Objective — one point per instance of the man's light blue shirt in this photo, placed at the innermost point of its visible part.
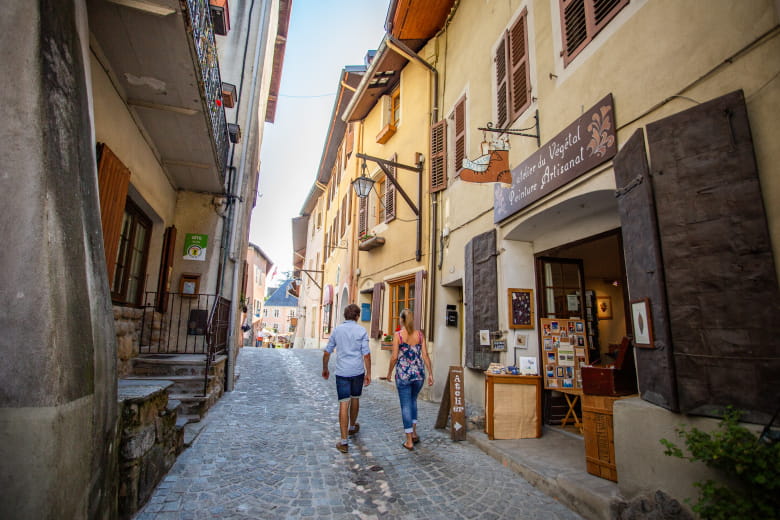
(351, 342)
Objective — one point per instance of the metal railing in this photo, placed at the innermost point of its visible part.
(181, 326)
(209, 80)
(217, 334)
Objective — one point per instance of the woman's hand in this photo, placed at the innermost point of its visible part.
(430, 379)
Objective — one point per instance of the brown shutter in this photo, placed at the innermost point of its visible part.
(644, 269)
(343, 218)
(113, 182)
(581, 21)
(502, 85)
(480, 288)
(460, 134)
(376, 310)
(419, 297)
(721, 281)
(349, 139)
(438, 156)
(349, 205)
(520, 74)
(362, 215)
(390, 193)
(166, 269)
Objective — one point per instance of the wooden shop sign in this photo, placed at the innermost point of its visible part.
(586, 143)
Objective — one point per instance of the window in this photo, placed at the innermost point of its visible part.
(395, 107)
(265, 313)
(276, 313)
(257, 275)
(130, 266)
(362, 216)
(582, 20)
(291, 313)
(513, 80)
(401, 297)
(257, 308)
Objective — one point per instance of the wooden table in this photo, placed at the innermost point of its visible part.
(572, 395)
(513, 406)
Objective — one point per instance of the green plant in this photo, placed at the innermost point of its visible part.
(750, 465)
(388, 338)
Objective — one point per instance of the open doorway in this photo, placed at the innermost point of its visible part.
(584, 280)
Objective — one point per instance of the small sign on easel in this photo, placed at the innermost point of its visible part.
(453, 405)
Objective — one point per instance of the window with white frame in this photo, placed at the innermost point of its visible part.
(512, 72)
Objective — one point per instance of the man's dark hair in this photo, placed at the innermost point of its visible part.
(351, 312)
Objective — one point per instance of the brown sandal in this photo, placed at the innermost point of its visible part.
(407, 447)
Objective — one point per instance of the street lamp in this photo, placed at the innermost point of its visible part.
(363, 184)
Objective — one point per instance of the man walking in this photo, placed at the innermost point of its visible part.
(353, 370)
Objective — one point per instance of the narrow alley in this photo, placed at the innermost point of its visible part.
(266, 450)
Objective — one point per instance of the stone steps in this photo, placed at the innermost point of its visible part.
(181, 384)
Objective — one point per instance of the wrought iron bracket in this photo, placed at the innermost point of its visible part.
(517, 131)
(296, 274)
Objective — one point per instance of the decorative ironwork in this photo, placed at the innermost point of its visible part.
(210, 80)
(517, 131)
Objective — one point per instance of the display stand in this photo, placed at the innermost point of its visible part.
(513, 406)
(572, 396)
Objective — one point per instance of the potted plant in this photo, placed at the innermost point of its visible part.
(387, 341)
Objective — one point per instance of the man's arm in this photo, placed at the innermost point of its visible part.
(325, 359)
(367, 363)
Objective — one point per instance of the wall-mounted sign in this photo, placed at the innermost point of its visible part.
(583, 145)
(195, 247)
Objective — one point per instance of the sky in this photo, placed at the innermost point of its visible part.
(324, 36)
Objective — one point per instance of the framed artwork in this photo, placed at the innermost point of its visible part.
(521, 341)
(521, 308)
(642, 321)
(604, 307)
(189, 284)
(498, 345)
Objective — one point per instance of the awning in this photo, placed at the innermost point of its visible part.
(327, 297)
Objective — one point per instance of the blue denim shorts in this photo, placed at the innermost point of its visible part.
(349, 387)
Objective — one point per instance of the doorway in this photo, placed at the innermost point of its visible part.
(584, 280)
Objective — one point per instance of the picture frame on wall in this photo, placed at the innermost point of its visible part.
(604, 307)
(521, 308)
(642, 321)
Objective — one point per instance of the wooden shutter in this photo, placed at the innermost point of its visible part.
(166, 269)
(502, 85)
(644, 269)
(520, 73)
(390, 193)
(438, 155)
(581, 21)
(419, 299)
(349, 206)
(362, 215)
(376, 310)
(721, 281)
(113, 182)
(480, 298)
(343, 217)
(460, 134)
(349, 139)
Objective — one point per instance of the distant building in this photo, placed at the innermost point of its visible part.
(280, 312)
(254, 294)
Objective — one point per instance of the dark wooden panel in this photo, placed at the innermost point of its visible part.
(480, 298)
(644, 272)
(723, 293)
(113, 183)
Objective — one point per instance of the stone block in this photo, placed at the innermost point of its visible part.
(137, 443)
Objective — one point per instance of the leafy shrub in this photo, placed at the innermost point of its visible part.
(749, 464)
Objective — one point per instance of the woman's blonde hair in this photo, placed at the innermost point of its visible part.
(407, 320)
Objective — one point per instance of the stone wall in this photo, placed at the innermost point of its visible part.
(149, 441)
(127, 321)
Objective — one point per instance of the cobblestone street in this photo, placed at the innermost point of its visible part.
(267, 450)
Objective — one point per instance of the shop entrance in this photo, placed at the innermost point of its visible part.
(583, 280)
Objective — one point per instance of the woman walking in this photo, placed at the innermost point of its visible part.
(410, 359)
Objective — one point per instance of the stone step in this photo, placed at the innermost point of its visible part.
(164, 365)
(181, 384)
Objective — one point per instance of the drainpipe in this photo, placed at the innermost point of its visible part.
(257, 74)
(402, 49)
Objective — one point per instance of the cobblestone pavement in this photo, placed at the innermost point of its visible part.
(267, 451)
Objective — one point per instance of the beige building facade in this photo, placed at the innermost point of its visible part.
(586, 163)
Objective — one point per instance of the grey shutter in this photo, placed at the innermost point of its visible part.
(721, 282)
(419, 297)
(376, 310)
(644, 270)
(481, 298)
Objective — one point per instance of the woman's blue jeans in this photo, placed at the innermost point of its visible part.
(407, 394)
